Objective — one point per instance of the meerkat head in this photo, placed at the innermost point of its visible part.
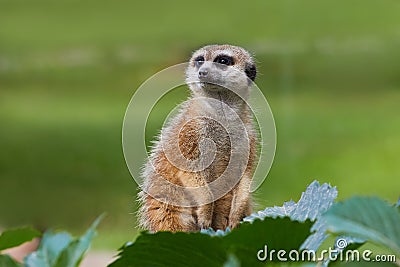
(218, 68)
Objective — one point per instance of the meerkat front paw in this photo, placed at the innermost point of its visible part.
(205, 223)
(233, 224)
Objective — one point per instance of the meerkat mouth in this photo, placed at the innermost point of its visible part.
(211, 86)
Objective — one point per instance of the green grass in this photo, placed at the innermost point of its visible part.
(330, 71)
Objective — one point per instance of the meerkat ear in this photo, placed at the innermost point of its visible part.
(251, 71)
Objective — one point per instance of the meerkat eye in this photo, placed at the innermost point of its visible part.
(198, 61)
(225, 60)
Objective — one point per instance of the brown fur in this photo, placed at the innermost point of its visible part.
(156, 215)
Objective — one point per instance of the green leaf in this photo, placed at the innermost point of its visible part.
(313, 202)
(278, 233)
(172, 249)
(60, 249)
(232, 261)
(73, 254)
(15, 237)
(369, 218)
(51, 246)
(343, 244)
(7, 261)
(197, 249)
(212, 232)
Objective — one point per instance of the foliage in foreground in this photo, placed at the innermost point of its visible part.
(354, 222)
(298, 227)
(56, 249)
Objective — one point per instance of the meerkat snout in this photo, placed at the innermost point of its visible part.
(203, 73)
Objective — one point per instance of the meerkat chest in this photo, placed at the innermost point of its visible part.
(208, 136)
(214, 131)
(202, 135)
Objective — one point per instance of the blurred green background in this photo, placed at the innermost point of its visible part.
(329, 69)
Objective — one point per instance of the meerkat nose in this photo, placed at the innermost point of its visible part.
(203, 73)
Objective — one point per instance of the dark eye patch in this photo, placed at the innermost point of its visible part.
(251, 71)
(198, 61)
(225, 60)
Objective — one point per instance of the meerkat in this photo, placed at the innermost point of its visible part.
(219, 78)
